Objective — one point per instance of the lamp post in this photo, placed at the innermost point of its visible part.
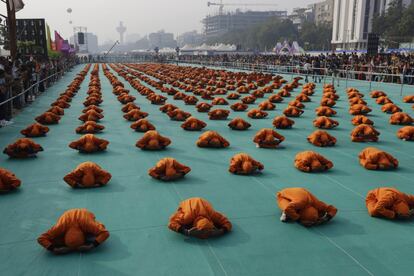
(11, 22)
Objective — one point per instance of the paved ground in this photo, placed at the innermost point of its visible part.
(136, 208)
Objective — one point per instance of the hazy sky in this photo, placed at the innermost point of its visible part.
(139, 16)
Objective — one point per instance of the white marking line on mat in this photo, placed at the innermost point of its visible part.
(345, 252)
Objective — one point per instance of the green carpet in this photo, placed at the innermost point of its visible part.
(136, 208)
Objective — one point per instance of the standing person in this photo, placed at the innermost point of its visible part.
(5, 113)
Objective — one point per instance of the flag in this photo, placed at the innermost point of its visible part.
(16, 5)
(49, 40)
(58, 41)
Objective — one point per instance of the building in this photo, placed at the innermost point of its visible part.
(190, 38)
(132, 38)
(90, 43)
(352, 22)
(301, 15)
(31, 37)
(161, 39)
(323, 12)
(222, 23)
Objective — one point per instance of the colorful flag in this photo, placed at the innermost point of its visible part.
(49, 39)
(58, 41)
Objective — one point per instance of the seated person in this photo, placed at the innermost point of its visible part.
(233, 96)
(243, 164)
(361, 119)
(158, 99)
(168, 169)
(359, 109)
(196, 217)
(239, 107)
(87, 175)
(135, 115)
(212, 139)
(75, 230)
(257, 114)
(8, 181)
(57, 110)
(356, 100)
(275, 98)
(48, 118)
(292, 111)
(92, 107)
(376, 94)
(364, 133)
(239, 124)
(383, 100)
(125, 98)
(219, 101)
(401, 118)
(390, 108)
(303, 98)
(310, 161)
(250, 99)
(35, 130)
(409, 99)
(389, 203)
(167, 107)
(142, 125)
(61, 103)
(91, 115)
(327, 102)
(406, 133)
(298, 204)
(178, 115)
(129, 107)
(325, 122)
(218, 114)
(203, 107)
(23, 148)
(152, 140)
(325, 111)
(267, 105)
(321, 138)
(92, 101)
(297, 104)
(283, 122)
(268, 138)
(374, 159)
(89, 127)
(89, 143)
(193, 124)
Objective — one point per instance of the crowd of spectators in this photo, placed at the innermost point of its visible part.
(393, 67)
(24, 73)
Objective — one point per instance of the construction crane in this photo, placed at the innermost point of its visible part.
(221, 5)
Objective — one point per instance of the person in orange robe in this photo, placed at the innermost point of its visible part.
(310, 161)
(89, 143)
(239, 107)
(325, 122)
(203, 107)
(361, 119)
(48, 118)
(57, 110)
(390, 108)
(390, 203)
(90, 127)
(364, 133)
(193, 124)
(75, 230)
(325, 111)
(142, 125)
(401, 118)
(212, 139)
(409, 99)
(406, 133)
(152, 140)
(91, 115)
(243, 164)
(321, 138)
(257, 114)
(87, 175)
(292, 111)
(135, 115)
(283, 122)
(35, 130)
(92, 107)
(267, 105)
(268, 138)
(23, 148)
(239, 124)
(8, 181)
(196, 217)
(218, 114)
(374, 159)
(359, 109)
(178, 115)
(298, 204)
(168, 169)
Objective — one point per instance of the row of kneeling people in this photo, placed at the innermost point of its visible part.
(78, 230)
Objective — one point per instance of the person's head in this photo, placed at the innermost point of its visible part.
(74, 238)
(203, 223)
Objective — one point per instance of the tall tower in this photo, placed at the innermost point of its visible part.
(121, 29)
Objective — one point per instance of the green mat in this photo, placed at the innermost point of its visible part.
(136, 208)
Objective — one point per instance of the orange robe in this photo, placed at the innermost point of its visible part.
(292, 111)
(23, 148)
(359, 109)
(193, 209)
(401, 118)
(78, 218)
(257, 114)
(87, 175)
(89, 143)
(35, 130)
(325, 111)
(193, 124)
(364, 133)
(310, 161)
(268, 138)
(135, 115)
(301, 205)
(389, 203)
(8, 181)
(321, 138)
(90, 127)
(152, 140)
(212, 139)
(283, 122)
(375, 159)
(178, 115)
(91, 115)
(239, 124)
(203, 107)
(218, 114)
(239, 107)
(243, 164)
(48, 118)
(168, 169)
(142, 126)
(361, 119)
(325, 122)
(406, 133)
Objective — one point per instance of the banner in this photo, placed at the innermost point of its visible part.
(49, 39)
(58, 41)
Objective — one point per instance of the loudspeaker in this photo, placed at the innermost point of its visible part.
(81, 38)
(373, 43)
